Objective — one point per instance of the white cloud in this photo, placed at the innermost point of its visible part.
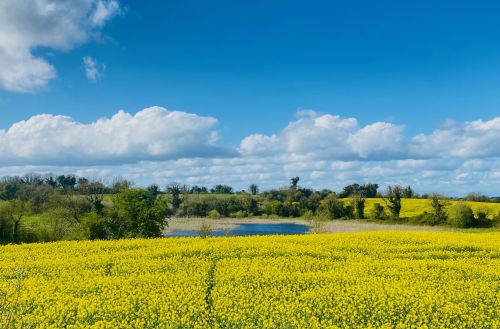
(472, 139)
(327, 136)
(93, 69)
(151, 134)
(29, 25)
(380, 139)
(325, 151)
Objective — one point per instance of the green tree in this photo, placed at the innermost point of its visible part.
(175, 190)
(378, 212)
(253, 189)
(393, 200)
(11, 214)
(358, 204)
(460, 215)
(143, 214)
(439, 208)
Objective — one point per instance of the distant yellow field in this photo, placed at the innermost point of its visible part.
(345, 280)
(414, 207)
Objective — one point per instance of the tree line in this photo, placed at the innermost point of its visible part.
(50, 208)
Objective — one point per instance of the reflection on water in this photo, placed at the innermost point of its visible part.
(250, 229)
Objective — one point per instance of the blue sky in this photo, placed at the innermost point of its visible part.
(252, 66)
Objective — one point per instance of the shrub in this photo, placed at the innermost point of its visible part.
(427, 219)
(205, 229)
(359, 207)
(335, 208)
(378, 212)
(213, 214)
(460, 215)
(482, 217)
(239, 214)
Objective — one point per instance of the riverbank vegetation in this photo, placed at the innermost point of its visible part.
(37, 208)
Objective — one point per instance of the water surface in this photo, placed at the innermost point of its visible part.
(246, 229)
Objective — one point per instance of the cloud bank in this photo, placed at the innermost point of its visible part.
(152, 134)
(29, 25)
(325, 150)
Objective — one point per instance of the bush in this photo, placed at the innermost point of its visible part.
(213, 214)
(239, 214)
(482, 217)
(359, 206)
(426, 219)
(205, 229)
(460, 215)
(335, 208)
(54, 225)
(378, 212)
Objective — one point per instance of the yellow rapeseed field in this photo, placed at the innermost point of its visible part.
(415, 207)
(344, 280)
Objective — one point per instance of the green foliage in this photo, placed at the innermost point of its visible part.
(142, 214)
(366, 190)
(460, 215)
(221, 189)
(253, 189)
(393, 196)
(54, 225)
(213, 214)
(11, 214)
(378, 212)
(335, 208)
(359, 207)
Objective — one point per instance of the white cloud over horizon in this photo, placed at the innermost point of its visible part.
(154, 133)
(28, 25)
(156, 145)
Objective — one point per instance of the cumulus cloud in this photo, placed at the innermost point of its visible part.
(33, 24)
(329, 136)
(326, 151)
(151, 134)
(93, 69)
(472, 139)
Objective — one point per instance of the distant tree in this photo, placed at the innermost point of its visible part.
(195, 189)
(221, 189)
(142, 213)
(51, 181)
(119, 184)
(294, 182)
(439, 208)
(378, 212)
(11, 214)
(175, 190)
(335, 208)
(358, 204)
(253, 189)
(477, 197)
(154, 190)
(408, 192)
(9, 189)
(94, 192)
(393, 200)
(460, 215)
(66, 182)
(366, 190)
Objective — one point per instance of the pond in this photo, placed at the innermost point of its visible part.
(246, 229)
